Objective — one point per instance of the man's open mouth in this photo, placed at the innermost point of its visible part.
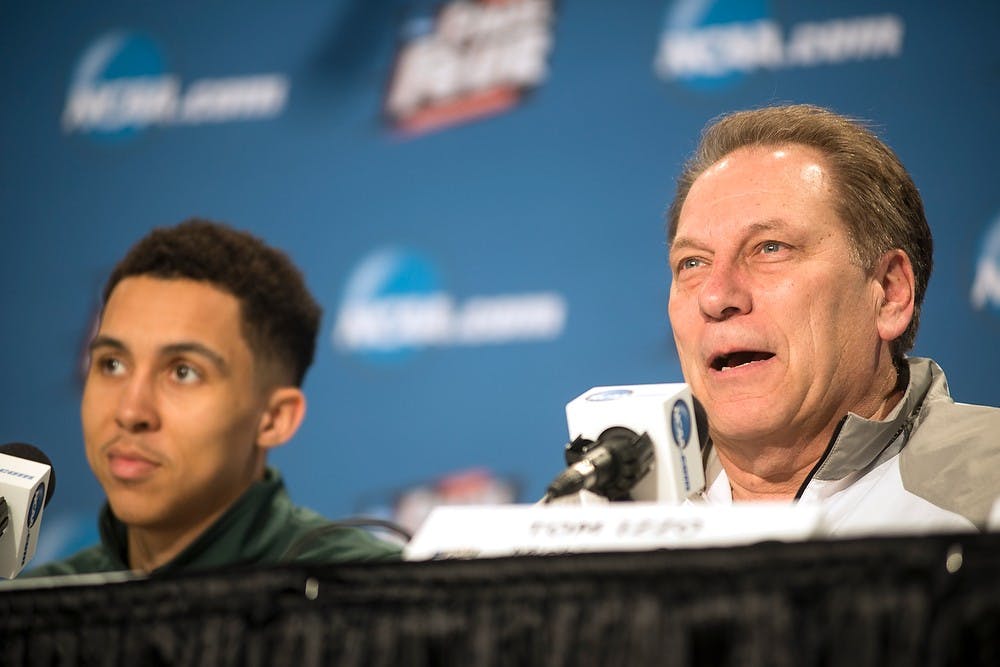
(725, 362)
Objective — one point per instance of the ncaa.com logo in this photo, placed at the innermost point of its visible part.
(985, 293)
(35, 507)
(711, 44)
(122, 84)
(395, 303)
(680, 423)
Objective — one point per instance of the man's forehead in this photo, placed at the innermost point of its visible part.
(171, 311)
(168, 296)
(756, 183)
(757, 162)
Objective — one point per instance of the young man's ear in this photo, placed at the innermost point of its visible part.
(285, 411)
(895, 276)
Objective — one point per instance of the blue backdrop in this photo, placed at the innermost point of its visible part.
(475, 191)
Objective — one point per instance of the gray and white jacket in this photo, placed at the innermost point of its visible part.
(932, 465)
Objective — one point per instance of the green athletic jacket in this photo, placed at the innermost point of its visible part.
(263, 527)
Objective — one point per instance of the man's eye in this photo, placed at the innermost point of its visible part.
(689, 263)
(185, 374)
(770, 247)
(110, 365)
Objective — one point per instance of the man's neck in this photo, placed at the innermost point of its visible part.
(151, 548)
(776, 471)
(774, 474)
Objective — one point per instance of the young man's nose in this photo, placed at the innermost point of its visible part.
(136, 409)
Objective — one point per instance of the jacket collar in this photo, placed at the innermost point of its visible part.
(860, 444)
(237, 523)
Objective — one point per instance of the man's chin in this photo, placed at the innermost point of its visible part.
(745, 423)
(135, 507)
(739, 408)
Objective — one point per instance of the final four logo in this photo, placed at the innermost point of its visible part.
(471, 59)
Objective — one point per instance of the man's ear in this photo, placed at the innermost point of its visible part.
(894, 274)
(286, 408)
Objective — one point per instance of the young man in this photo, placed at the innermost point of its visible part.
(800, 257)
(195, 373)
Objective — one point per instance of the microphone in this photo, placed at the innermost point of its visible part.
(27, 483)
(609, 466)
(638, 442)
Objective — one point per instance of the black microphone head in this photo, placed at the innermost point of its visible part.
(700, 421)
(28, 452)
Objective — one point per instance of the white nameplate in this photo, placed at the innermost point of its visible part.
(510, 530)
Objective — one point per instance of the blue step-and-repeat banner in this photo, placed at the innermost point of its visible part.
(476, 193)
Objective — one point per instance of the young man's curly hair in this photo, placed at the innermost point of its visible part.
(280, 318)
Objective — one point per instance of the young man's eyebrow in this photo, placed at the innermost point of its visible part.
(105, 341)
(192, 347)
(183, 347)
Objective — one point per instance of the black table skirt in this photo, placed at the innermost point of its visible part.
(886, 601)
